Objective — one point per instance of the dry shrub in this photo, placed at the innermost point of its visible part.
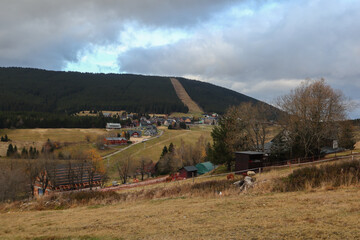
(326, 176)
(85, 198)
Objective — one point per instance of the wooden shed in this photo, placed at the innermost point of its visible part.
(248, 160)
(188, 172)
(65, 177)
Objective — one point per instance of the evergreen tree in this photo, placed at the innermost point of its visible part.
(24, 153)
(10, 150)
(164, 152)
(171, 148)
(220, 153)
(347, 136)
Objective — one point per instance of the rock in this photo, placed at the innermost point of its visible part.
(248, 182)
(250, 173)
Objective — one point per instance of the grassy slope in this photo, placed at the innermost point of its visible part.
(37, 137)
(184, 97)
(153, 148)
(311, 214)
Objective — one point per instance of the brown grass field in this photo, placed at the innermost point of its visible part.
(258, 214)
(37, 137)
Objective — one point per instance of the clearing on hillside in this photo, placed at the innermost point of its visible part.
(184, 97)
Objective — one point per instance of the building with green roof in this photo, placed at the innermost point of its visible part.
(204, 167)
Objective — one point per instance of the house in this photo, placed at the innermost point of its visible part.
(150, 130)
(248, 160)
(204, 167)
(115, 141)
(188, 121)
(135, 133)
(66, 177)
(188, 172)
(113, 126)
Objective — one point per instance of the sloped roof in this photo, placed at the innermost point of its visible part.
(115, 138)
(250, 152)
(64, 174)
(204, 167)
(190, 168)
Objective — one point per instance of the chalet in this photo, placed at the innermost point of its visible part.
(248, 160)
(135, 133)
(188, 172)
(204, 167)
(66, 177)
(150, 130)
(113, 126)
(115, 141)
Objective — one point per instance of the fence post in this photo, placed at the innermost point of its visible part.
(193, 176)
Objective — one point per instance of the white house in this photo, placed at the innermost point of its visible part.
(113, 126)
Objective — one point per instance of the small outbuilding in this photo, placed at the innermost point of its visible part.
(135, 133)
(115, 141)
(113, 126)
(204, 167)
(188, 172)
(248, 160)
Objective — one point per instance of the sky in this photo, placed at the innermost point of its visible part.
(257, 47)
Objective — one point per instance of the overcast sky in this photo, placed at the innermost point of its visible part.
(259, 48)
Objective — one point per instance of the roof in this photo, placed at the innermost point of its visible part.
(204, 167)
(66, 174)
(115, 138)
(190, 168)
(251, 153)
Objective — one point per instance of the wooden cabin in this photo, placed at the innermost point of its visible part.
(65, 177)
(248, 160)
(188, 172)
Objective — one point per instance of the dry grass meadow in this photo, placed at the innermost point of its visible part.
(322, 213)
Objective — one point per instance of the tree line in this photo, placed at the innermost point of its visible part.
(18, 177)
(55, 120)
(314, 115)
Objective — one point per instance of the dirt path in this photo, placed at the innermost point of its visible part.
(134, 185)
(184, 97)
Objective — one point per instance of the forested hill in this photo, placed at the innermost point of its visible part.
(25, 89)
(212, 98)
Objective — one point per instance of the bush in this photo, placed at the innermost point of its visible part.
(334, 175)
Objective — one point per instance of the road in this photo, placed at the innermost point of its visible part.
(123, 149)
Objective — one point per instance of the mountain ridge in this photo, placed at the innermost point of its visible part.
(29, 89)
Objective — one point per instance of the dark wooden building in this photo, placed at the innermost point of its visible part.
(188, 172)
(248, 160)
(65, 177)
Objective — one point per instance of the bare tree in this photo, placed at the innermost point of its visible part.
(313, 109)
(143, 167)
(124, 166)
(32, 170)
(94, 166)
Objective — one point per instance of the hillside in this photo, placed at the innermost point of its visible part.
(191, 210)
(51, 91)
(24, 89)
(212, 98)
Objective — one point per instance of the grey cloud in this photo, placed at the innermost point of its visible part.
(294, 41)
(46, 34)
